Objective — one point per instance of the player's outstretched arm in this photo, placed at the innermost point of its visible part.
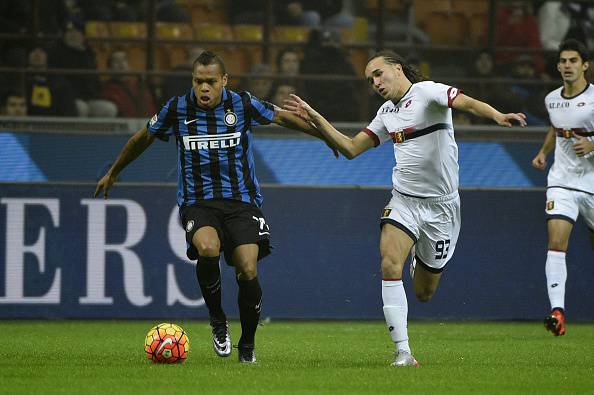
(482, 109)
(349, 147)
(135, 146)
(293, 121)
(540, 160)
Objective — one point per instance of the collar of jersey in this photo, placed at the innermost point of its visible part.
(194, 102)
(573, 97)
(403, 96)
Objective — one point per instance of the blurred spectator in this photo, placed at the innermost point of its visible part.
(14, 104)
(401, 25)
(177, 85)
(516, 26)
(554, 20)
(47, 94)
(131, 96)
(257, 84)
(323, 56)
(300, 13)
(282, 91)
(526, 97)
(343, 18)
(73, 53)
(288, 62)
(483, 69)
(582, 22)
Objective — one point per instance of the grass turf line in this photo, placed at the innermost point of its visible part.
(95, 357)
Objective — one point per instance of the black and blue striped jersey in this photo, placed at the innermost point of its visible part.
(214, 146)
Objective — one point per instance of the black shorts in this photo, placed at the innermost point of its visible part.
(236, 223)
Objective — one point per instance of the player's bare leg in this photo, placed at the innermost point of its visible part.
(245, 258)
(425, 283)
(395, 246)
(556, 271)
(206, 241)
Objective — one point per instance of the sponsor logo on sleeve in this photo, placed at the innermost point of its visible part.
(550, 205)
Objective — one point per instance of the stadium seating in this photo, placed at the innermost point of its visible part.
(290, 34)
(95, 31)
(213, 32)
(136, 48)
(170, 54)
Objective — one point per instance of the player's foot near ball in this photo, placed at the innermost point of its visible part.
(404, 358)
(221, 341)
(246, 354)
(555, 322)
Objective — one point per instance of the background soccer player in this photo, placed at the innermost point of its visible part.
(570, 184)
(424, 212)
(218, 192)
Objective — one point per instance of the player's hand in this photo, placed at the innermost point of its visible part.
(583, 146)
(540, 161)
(299, 107)
(104, 184)
(508, 119)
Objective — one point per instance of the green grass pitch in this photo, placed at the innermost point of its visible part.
(294, 357)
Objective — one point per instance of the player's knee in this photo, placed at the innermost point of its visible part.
(390, 265)
(247, 273)
(208, 247)
(558, 244)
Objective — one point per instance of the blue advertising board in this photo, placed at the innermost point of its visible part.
(66, 254)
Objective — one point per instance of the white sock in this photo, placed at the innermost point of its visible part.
(395, 312)
(556, 272)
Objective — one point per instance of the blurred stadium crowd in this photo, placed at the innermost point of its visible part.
(112, 58)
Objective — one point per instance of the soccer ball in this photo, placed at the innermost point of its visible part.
(167, 343)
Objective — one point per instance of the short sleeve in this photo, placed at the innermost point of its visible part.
(160, 124)
(262, 112)
(377, 130)
(441, 94)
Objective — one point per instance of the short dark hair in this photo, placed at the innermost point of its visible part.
(574, 45)
(392, 57)
(207, 58)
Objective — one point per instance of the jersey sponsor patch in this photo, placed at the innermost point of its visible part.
(386, 212)
(399, 136)
(550, 205)
(567, 133)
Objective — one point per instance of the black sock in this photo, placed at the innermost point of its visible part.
(209, 279)
(249, 300)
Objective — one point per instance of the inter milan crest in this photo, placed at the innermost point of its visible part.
(230, 118)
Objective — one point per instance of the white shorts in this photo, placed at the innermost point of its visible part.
(568, 204)
(432, 223)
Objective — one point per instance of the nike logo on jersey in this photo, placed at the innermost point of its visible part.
(263, 233)
(166, 342)
(186, 122)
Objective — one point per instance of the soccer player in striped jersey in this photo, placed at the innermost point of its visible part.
(570, 184)
(218, 192)
(423, 215)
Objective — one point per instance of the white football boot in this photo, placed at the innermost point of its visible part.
(404, 358)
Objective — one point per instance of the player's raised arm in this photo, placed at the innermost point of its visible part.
(135, 146)
(349, 147)
(293, 121)
(482, 109)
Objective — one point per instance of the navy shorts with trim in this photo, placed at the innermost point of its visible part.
(236, 223)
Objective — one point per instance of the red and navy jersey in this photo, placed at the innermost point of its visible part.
(214, 146)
